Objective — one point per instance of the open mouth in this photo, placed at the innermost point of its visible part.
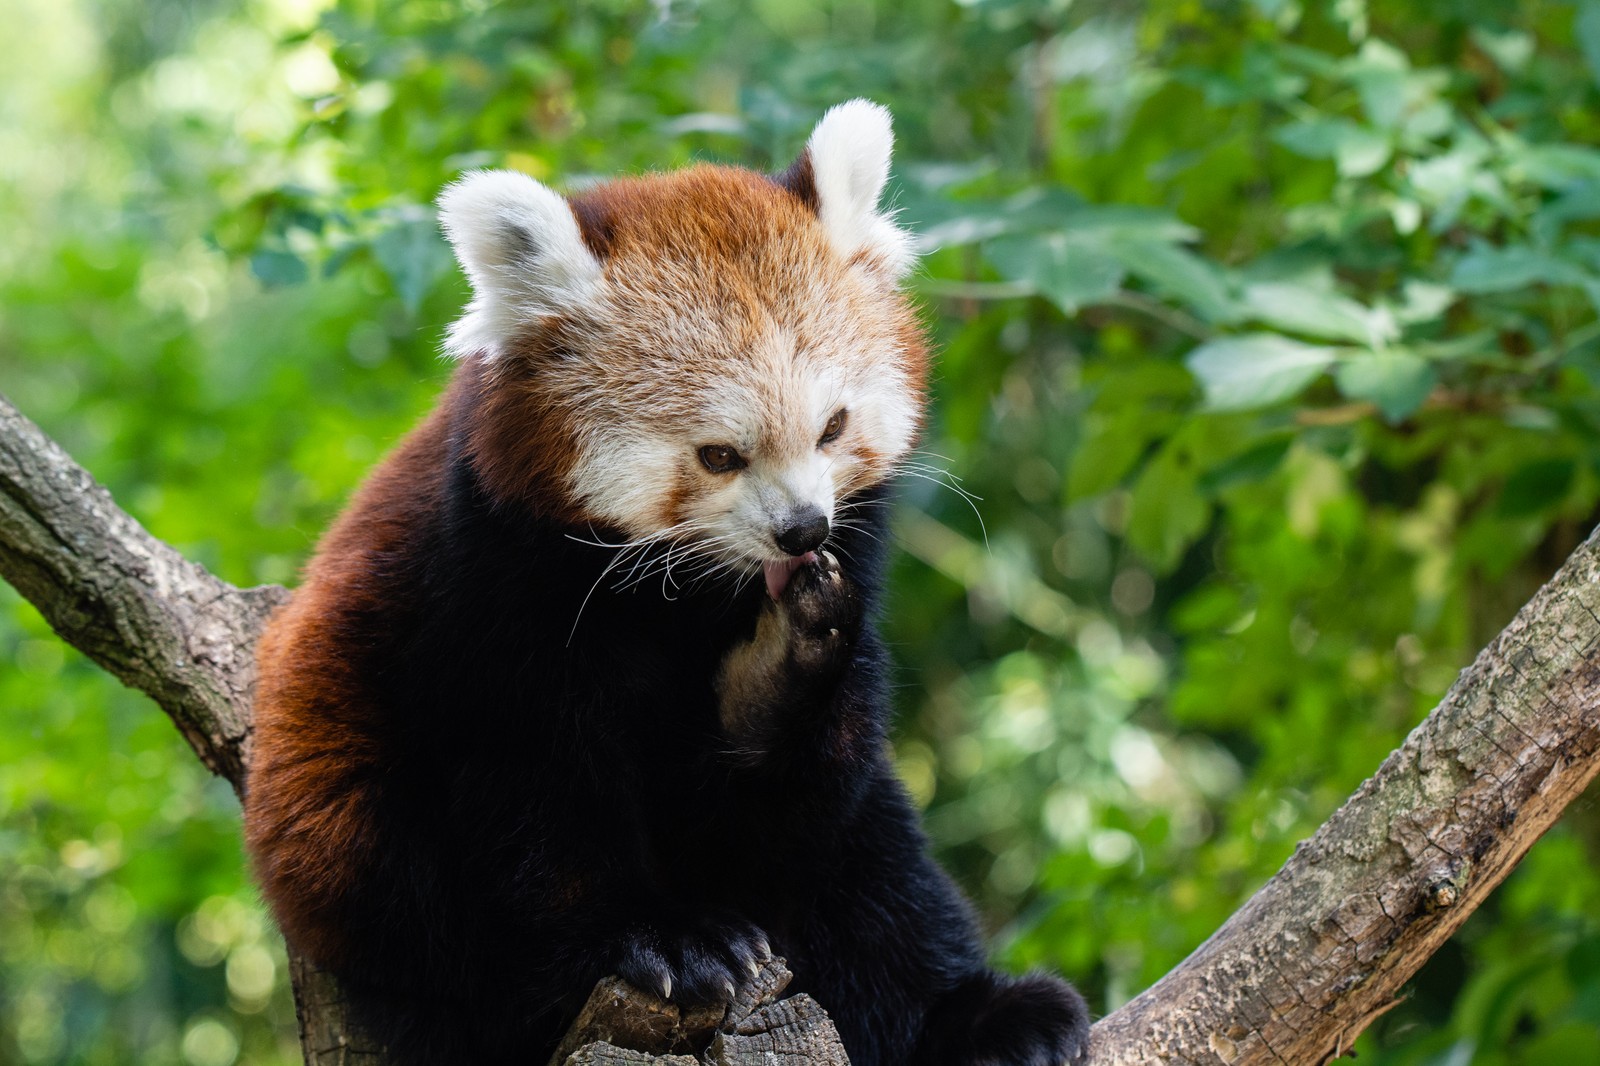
(778, 572)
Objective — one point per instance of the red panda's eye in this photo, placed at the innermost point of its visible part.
(721, 459)
(835, 426)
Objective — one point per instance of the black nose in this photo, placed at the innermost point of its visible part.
(805, 531)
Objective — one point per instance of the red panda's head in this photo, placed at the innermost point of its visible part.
(710, 357)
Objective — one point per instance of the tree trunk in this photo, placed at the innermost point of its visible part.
(1293, 977)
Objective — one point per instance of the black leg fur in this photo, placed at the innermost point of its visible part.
(995, 1020)
(892, 951)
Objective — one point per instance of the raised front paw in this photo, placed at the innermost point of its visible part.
(706, 964)
(821, 609)
(802, 643)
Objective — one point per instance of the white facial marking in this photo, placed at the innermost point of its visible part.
(611, 468)
(773, 414)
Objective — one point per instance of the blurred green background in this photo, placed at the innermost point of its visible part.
(1269, 345)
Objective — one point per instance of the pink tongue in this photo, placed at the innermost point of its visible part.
(778, 573)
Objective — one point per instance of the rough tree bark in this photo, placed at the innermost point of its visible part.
(1293, 977)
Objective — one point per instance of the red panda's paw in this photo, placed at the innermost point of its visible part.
(802, 644)
(994, 1020)
(821, 609)
(702, 966)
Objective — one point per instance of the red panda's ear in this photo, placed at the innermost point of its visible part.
(848, 160)
(520, 245)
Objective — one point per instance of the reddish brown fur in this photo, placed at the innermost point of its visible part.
(749, 242)
(317, 731)
(523, 440)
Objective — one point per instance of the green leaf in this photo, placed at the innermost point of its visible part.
(1396, 381)
(1510, 50)
(1066, 269)
(1316, 312)
(1054, 208)
(1075, 253)
(1382, 76)
(1446, 182)
(1167, 511)
(1535, 487)
(1252, 465)
(1489, 269)
(1316, 138)
(1587, 30)
(1111, 445)
(1356, 150)
(1127, 222)
(1428, 122)
(966, 227)
(414, 255)
(276, 267)
(942, 223)
(1181, 274)
(1576, 203)
(1362, 152)
(1556, 166)
(1256, 369)
(1423, 301)
(1563, 1041)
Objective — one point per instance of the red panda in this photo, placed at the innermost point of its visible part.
(606, 616)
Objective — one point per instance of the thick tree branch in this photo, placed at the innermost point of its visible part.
(160, 623)
(1297, 973)
(1293, 977)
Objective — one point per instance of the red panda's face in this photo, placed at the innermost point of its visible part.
(711, 358)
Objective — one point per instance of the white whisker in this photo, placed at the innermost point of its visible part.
(944, 479)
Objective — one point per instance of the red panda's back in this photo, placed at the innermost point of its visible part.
(316, 751)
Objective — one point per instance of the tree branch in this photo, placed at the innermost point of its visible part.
(1310, 960)
(1293, 977)
(158, 622)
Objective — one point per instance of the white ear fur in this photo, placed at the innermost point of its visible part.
(849, 152)
(519, 243)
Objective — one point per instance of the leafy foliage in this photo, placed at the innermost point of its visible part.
(1269, 344)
